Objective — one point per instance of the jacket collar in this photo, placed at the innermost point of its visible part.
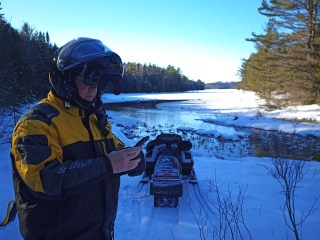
(66, 106)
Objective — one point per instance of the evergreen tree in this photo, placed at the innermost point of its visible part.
(261, 71)
(287, 61)
(12, 63)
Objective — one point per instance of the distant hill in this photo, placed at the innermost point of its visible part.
(221, 85)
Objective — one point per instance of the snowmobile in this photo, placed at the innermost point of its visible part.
(169, 164)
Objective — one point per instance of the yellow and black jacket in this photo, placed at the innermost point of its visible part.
(64, 184)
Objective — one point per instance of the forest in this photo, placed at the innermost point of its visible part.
(285, 69)
(26, 58)
(151, 78)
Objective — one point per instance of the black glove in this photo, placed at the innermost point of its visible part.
(139, 169)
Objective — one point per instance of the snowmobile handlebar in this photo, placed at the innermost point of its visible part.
(142, 141)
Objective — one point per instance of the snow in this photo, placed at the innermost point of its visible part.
(196, 217)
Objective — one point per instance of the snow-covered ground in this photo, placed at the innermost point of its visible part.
(245, 178)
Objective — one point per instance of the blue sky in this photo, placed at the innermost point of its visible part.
(204, 38)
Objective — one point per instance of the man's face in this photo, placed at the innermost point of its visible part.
(86, 92)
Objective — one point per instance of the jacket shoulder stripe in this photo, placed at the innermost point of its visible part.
(43, 112)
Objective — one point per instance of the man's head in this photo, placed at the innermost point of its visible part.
(86, 92)
(81, 70)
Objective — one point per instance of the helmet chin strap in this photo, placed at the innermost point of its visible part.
(82, 103)
(87, 105)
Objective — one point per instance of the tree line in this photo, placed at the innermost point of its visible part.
(151, 78)
(221, 85)
(286, 66)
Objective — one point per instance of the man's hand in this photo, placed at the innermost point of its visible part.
(141, 166)
(121, 160)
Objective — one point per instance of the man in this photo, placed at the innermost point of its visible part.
(66, 160)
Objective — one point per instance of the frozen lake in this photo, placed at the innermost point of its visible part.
(155, 117)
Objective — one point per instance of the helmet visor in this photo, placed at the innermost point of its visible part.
(70, 56)
(102, 72)
(102, 78)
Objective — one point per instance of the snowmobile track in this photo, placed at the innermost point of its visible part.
(161, 222)
(168, 223)
(201, 199)
(197, 203)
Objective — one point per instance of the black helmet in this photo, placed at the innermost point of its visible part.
(89, 58)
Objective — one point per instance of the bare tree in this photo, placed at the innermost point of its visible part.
(201, 218)
(228, 207)
(289, 174)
